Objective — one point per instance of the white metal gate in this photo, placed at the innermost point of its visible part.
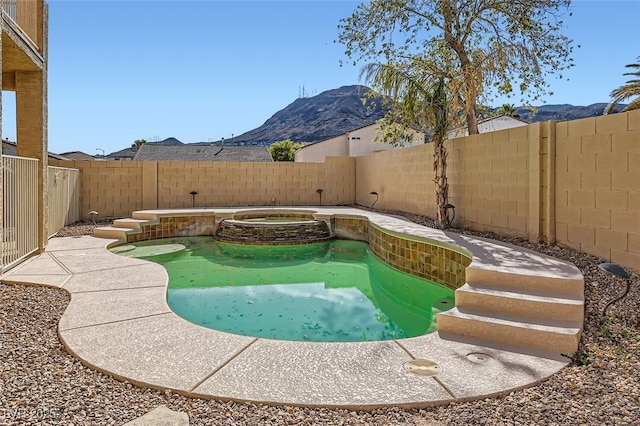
(19, 208)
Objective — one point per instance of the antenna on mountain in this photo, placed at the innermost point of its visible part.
(221, 147)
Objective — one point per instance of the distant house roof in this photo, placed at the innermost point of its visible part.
(11, 148)
(354, 143)
(78, 155)
(499, 122)
(504, 117)
(151, 152)
(123, 154)
(345, 134)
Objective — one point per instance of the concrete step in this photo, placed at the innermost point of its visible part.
(145, 215)
(553, 337)
(113, 232)
(509, 303)
(569, 283)
(132, 223)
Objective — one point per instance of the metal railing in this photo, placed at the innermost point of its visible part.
(19, 209)
(64, 197)
(27, 15)
(11, 7)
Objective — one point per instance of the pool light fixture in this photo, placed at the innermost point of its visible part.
(617, 271)
(374, 203)
(193, 198)
(92, 215)
(319, 191)
(448, 207)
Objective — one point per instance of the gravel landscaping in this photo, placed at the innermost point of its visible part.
(40, 383)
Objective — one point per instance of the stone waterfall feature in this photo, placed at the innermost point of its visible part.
(273, 232)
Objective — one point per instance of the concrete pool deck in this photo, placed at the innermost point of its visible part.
(118, 322)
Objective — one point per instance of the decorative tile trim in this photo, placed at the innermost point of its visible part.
(421, 257)
(176, 226)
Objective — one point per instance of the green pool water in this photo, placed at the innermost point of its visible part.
(335, 291)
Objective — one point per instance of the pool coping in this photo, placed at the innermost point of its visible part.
(118, 322)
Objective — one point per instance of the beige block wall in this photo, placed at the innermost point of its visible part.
(117, 188)
(489, 178)
(403, 179)
(598, 186)
(256, 184)
(576, 182)
(112, 188)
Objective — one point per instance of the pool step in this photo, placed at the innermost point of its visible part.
(516, 303)
(535, 306)
(151, 216)
(113, 232)
(528, 280)
(554, 337)
(120, 228)
(136, 224)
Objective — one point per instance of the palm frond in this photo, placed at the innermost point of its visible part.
(633, 105)
(396, 83)
(629, 90)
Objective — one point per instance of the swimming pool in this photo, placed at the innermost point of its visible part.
(329, 291)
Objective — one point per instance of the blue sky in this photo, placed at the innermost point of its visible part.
(202, 70)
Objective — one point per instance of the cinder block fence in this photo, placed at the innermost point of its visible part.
(576, 183)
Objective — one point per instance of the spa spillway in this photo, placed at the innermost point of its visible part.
(261, 231)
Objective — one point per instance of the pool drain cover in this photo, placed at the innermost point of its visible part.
(479, 358)
(422, 367)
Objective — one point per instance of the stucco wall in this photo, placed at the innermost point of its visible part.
(491, 125)
(361, 142)
(355, 143)
(318, 152)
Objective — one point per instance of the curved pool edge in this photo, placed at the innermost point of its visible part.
(163, 351)
(141, 341)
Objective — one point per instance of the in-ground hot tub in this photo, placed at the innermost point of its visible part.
(273, 228)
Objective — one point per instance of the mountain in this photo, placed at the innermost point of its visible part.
(337, 111)
(319, 117)
(167, 141)
(563, 112)
(130, 152)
